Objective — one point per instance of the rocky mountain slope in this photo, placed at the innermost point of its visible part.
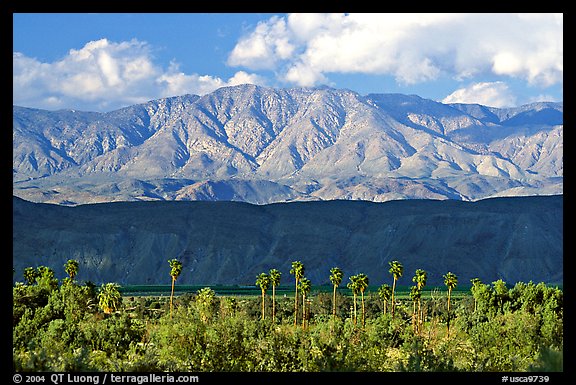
(513, 238)
(262, 145)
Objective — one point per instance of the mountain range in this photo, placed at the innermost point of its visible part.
(264, 145)
(510, 238)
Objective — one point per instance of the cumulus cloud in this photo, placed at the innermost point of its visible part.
(493, 94)
(104, 75)
(175, 82)
(304, 48)
(264, 47)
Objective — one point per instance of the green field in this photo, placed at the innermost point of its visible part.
(282, 290)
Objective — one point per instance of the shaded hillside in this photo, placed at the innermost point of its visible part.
(516, 239)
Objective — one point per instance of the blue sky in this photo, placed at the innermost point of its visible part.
(101, 62)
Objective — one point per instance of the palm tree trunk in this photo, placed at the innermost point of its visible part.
(296, 304)
(334, 303)
(420, 316)
(414, 316)
(393, 300)
(273, 302)
(171, 296)
(263, 303)
(303, 310)
(363, 313)
(448, 321)
(355, 317)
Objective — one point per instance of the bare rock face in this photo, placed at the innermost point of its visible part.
(264, 145)
(512, 238)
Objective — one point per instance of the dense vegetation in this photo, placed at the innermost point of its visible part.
(61, 325)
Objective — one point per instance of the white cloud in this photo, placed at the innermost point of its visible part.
(493, 94)
(543, 98)
(105, 75)
(304, 75)
(242, 77)
(268, 43)
(174, 82)
(412, 47)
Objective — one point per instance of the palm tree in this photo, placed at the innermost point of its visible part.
(275, 281)
(415, 294)
(175, 270)
(450, 280)
(501, 292)
(362, 285)
(205, 303)
(30, 275)
(354, 286)
(305, 286)
(420, 279)
(336, 279)
(298, 272)
(475, 285)
(46, 278)
(109, 298)
(71, 268)
(384, 292)
(263, 280)
(396, 269)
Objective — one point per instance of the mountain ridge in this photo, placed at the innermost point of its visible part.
(263, 145)
(509, 238)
